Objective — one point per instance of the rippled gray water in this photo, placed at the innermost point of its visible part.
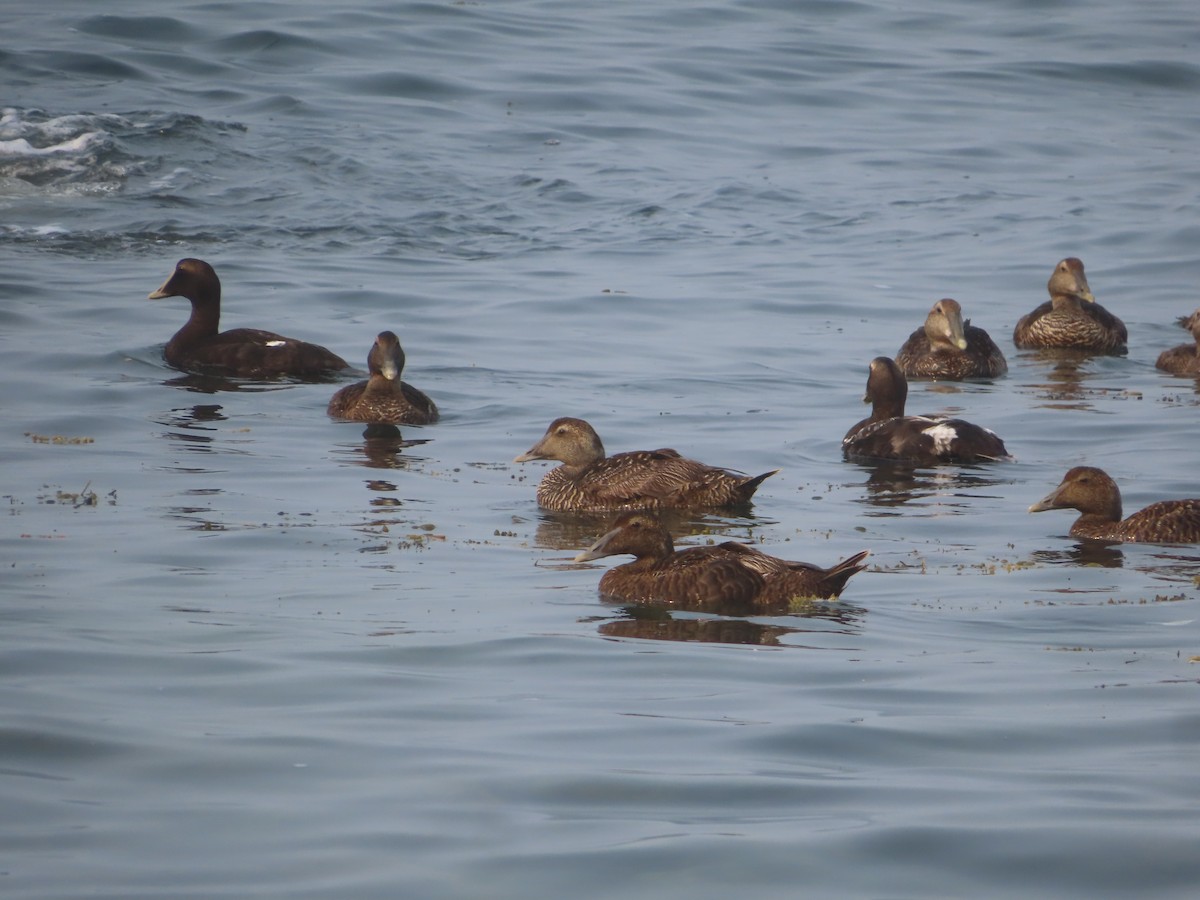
(248, 652)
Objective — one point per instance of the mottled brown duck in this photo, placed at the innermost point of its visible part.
(728, 578)
(1071, 319)
(640, 479)
(1098, 499)
(922, 440)
(199, 346)
(1184, 359)
(948, 348)
(384, 398)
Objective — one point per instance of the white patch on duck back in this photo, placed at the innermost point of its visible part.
(276, 343)
(943, 436)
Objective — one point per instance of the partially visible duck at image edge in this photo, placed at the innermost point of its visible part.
(1185, 358)
(1098, 499)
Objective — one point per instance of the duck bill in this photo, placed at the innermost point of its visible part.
(1050, 501)
(597, 550)
(533, 453)
(957, 334)
(164, 291)
(389, 369)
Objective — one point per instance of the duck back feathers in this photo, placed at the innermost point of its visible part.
(947, 347)
(588, 480)
(199, 346)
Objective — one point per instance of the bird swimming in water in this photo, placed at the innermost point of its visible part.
(1098, 499)
(946, 347)
(1071, 318)
(727, 579)
(199, 346)
(922, 440)
(384, 398)
(640, 479)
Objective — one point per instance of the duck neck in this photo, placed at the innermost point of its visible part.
(204, 321)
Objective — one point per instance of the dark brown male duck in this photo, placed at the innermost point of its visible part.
(1184, 359)
(1098, 499)
(641, 479)
(240, 352)
(1071, 318)
(923, 440)
(384, 398)
(947, 347)
(728, 578)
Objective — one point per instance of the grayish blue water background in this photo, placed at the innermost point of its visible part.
(273, 659)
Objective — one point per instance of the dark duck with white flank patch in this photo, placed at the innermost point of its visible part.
(588, 480)
(384, 398)
(923, 440)
(1098, 499)
(728, 578)
(1071, 319)
(199, 346)
(947, 347)
(1184, 359)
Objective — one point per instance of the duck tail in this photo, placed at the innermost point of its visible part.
(836, 577)
(746, 489)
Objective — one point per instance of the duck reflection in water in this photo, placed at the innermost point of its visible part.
(558, 530)
(381, 448)
(200, 383)
(950, 490)
(656, 623)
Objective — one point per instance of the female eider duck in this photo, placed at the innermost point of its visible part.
(1098, 500)
(588, 480)
(384, 398)
(923, 440)
(947, 347)
(240, 352)
(1184, 359)
(1071, 318)
(728, 578)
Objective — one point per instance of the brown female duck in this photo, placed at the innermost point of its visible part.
(641, 479)
(1071, 318)
(240, 352)
(947, 347)
(923, 440)
(728, 578)
(1184, 359)
(384, 398)
(1098, 499)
